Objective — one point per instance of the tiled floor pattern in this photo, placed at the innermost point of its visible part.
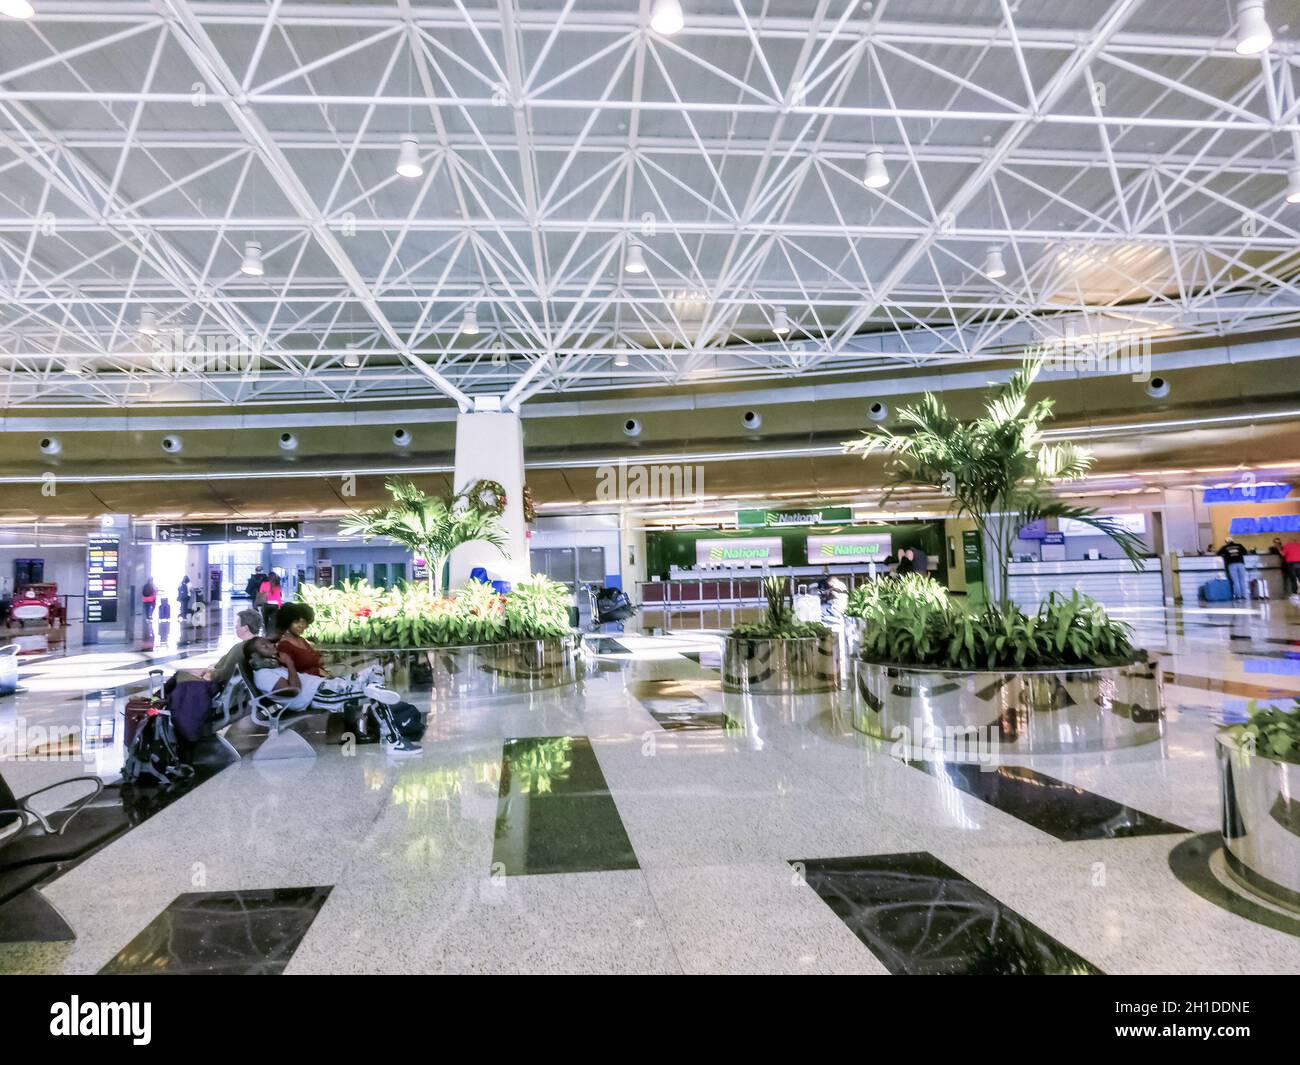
(651, 823)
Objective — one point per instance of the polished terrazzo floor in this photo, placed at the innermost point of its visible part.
(650, 823)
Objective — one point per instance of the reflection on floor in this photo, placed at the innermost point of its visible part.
(648, 822)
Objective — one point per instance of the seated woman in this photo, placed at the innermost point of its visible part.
(291, 621)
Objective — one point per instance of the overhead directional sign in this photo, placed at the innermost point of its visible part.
(230, 532)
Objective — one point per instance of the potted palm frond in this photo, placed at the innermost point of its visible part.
(430, 526)
(1065, 678)
(1259, 793)
(780, 655)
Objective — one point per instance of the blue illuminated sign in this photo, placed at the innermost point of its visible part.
(1276, 523)
(1248, 493)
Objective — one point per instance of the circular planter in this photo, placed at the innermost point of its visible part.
(9, 669)
(1260, 801)
(471, 670)
(1025, 711)
(803, 666)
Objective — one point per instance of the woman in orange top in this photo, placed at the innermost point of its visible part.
(292, 621)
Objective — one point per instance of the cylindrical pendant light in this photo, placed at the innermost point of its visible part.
(408, 158)
(252, 264)
(666, 17)
(781, 322)
(635, 263)
(1253, 34)
(16, 9)
(1293, 185)
(876, 177)
(148, 323)
(469, 325)
(994, 267)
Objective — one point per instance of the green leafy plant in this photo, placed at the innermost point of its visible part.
(1270, 731)
(430, 526)
(998, 469)
(916, 623)
(780, 622)
(358, 615)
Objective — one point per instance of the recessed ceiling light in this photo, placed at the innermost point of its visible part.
(635, 263)
(876, 177)
(16, 9)
(252, 264)
(666, 17)
(1253, 34)
(408, 158)
(994, 267)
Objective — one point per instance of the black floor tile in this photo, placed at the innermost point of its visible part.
(1060, 809)
(241, 933)
(922, 918)
(554, 811)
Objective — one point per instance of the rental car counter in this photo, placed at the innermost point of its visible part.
(1113, 582)
(1189, 572)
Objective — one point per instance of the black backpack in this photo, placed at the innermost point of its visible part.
(154, 755)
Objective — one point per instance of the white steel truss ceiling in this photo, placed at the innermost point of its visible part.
(1127, 163)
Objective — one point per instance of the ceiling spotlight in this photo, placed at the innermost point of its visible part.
(1253, 34)
(252, 264)
(469, 326)
(876, 177)
(408, 158)
(16, 9)
(621, 359)
(635, 263)
(148, 323)
(781, 323)
(350, 358)
(1293, 185)
(994, 267)
(666, 17)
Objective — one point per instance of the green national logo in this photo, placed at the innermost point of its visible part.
(732, 554)
(849, 549)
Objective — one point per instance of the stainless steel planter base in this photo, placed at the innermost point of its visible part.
(1260, 802)
(471, 671)
(1028, 712)
(781, 667)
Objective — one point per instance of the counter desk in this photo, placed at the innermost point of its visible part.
(1113, 582)
(1190, 572)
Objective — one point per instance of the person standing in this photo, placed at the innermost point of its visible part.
(183, 597)
(1291, 567)
(254, 583)
(1234, 561)
(270, 597)
(904, 566)
(920, 561)
(149, 597)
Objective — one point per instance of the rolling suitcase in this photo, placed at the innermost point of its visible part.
(138, 706)
(1217, 591)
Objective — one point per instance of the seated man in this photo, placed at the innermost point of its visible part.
(248, 623)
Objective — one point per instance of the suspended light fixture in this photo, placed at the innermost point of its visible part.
(666, 17)
(781, 322)
(469, 326)
(621, 359)
(16, 9)
(148, 323)
(252, 264)
(994, 267)
(876, 177)
(1293, 185)
(351, 359)
(1253, 34)
(408, 158)
(635, 263)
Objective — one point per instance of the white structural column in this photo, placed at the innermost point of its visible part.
(490, 445)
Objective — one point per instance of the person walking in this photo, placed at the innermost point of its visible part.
(254, 583)
(1291, 568)
(149, 597)
(1234, 561)
(270, 597)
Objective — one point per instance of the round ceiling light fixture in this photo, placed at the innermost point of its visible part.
(1253, 34)
(469, 324)
(666, 17)
(876, 176)
(631, 427)
(252, 264)
(781, 322)
(51, 445)
(621, 359)
(288, 442)
(19, 9)
(635, 263)
(408, 158)
(350, 358)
